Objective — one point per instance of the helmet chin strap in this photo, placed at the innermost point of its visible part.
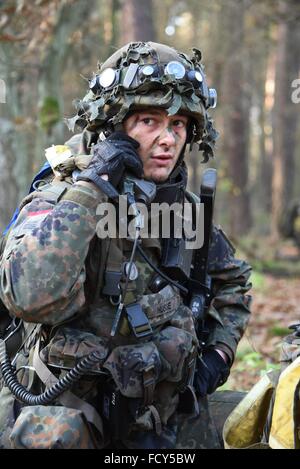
(117, 127)
(179, 161)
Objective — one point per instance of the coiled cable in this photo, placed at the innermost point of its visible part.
(22, 394)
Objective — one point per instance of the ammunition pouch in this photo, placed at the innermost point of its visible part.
(51, 427)
(135, 369)
(69, 345)
(125, 388)
(125, 382)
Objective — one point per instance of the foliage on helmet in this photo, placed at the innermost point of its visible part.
(140, 75)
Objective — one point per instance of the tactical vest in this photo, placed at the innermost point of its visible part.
(115, 252)
(159, 365)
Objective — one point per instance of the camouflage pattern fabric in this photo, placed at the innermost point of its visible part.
(221, 404)
(205, 431)
(290, 349)
(33, 257)
(126, 365)
(110, 106)
(51, 427)
(50, 248)
(198, 432)
(151, 440)
(69, 345)
(7, 417)
(229, 311)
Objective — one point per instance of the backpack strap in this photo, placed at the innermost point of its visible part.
(68, 399)
(194, 200)
(191, 197)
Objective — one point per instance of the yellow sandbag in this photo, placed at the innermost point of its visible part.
(283, 425)
(244, 426)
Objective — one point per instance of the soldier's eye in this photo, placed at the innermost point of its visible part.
(148, 120)
(179, 123)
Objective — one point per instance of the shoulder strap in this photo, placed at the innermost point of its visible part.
(194, 200)
(191, 197)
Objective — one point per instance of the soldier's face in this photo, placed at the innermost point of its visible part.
(161, 138)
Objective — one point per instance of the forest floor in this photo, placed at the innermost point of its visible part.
(276, 306)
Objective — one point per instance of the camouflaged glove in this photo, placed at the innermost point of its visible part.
(112, 157)
(211, 372)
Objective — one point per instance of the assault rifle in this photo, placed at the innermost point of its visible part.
(200, 281)
(199, 286)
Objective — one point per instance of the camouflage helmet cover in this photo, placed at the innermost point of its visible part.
(147, 74)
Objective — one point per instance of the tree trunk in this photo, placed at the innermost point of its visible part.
(285, 113)
(236, 123)
(137, 21)
(51, 74)
(14, 138)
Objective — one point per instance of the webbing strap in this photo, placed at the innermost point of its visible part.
(81, 197)
(149, 385)
(189, 370)
(156, 418)
(115, 256)
(67, 398)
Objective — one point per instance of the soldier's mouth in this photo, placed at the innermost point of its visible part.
(163, 159)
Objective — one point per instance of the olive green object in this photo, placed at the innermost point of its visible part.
(141, 75)
(49, 113)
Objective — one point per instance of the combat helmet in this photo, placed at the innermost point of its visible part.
(143, 74)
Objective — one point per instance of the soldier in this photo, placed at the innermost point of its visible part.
(103, 309)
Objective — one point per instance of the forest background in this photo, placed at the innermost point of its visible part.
(251, 52)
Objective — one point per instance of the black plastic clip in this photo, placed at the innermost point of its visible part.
(111, 283)
(138, 321)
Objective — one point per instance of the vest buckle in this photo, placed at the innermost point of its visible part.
(138, 321)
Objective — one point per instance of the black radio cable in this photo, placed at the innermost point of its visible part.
(22, 394)
(159, 272)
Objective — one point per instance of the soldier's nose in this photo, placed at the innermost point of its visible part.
(167, 137)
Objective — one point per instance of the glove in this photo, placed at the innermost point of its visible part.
(211, 372)
(112, 157)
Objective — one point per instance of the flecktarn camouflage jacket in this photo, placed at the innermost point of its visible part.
(49, 271)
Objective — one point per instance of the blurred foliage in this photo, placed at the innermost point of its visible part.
(30, 30)
(279, 257)
(49, 113)
(40, 40)
(248, 368)
(278, 331)
(258, 281)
